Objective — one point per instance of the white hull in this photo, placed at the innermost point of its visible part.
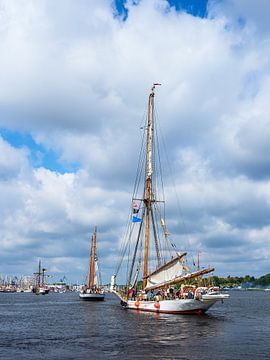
(92, 296)
(42, 291)
(215, 297)
(177, 306)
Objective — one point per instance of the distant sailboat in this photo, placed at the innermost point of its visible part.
(40, 287)
(93, 291)
(170, 287)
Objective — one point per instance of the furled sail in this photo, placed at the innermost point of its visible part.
(96, 278)
(167, 272)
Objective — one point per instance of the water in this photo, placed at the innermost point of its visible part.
(60, 326)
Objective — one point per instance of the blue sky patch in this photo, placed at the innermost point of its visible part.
(193, 7)
(39, 155)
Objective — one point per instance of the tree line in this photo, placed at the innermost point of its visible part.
(250, 281)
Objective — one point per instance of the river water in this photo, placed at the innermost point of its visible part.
(61, 326)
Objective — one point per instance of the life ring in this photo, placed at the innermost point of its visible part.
(137, 303)
(157, 305)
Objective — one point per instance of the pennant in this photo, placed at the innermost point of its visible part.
(135, 219)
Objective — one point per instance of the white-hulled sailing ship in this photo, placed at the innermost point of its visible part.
(93, 291)
(168, 285)
(40, 287)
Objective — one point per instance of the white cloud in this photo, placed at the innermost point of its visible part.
(77, 78)
(12, 162)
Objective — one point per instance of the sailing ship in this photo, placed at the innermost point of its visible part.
(40, 287)
(168, 284)
(93, 291)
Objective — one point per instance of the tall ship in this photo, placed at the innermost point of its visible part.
(40, 287)
(159, 278)
(93, 290)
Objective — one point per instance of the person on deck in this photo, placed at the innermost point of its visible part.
(150, 295)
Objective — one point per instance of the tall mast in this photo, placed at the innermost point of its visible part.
(148, 183)
(95, 249)
(90, 265)
(43, 277)
(199, 267)
(39, 272)
(92, 259)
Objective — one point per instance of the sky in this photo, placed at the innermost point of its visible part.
(74, 82)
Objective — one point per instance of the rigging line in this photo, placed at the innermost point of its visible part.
(160, 170)
(128, 259)
(158, 231)
(170, 245)
(124, 245)
(126, 239)
(158, 176)
(139, 167)
(123, 250)
(174, 187)
(159, 160)
(168, 248)
(140, 175)
(125, 242)
(154, 217)
(155, 237)
(136, 248)
(139, 263)
(140, 161)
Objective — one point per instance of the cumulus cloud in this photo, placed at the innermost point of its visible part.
(48, 215)
(12, 162)
(76, 78)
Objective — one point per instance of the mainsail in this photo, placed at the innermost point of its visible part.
(169, 271)
(179, 279)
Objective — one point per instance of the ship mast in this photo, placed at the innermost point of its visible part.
(92, 259)
(39, 272)
(43, 276)
(148, 183)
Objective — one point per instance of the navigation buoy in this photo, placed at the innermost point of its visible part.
(157, 305)
(137, 303)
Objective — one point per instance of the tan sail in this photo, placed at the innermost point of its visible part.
(171, 270)
(179, 279)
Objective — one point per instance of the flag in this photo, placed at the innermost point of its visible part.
(136, 219)
(135, 207)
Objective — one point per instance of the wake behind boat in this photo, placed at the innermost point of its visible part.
(171, 286)
(93, 291)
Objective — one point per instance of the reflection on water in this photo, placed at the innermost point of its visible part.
(60, 326)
